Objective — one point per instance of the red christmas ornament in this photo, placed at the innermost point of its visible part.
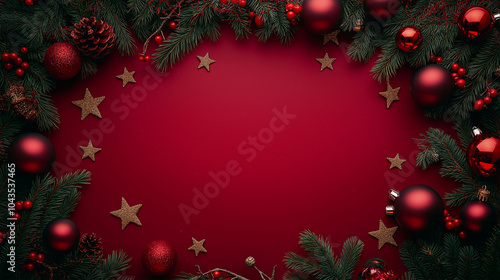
(476, 22)
(483, 153)
(159, 258)
(375, 269)
(382, 9)
(409, 39)
(259, 21)
(61, 235)
(32, 153)
(321, 16)
(158, 39)
(432, 85)
(62, 61)
(417, 208)
(478, 217)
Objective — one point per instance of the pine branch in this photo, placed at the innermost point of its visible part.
(491, 256)
(9, 128)
(469, 265)
(115, 263)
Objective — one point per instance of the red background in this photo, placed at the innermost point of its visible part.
(326, 171)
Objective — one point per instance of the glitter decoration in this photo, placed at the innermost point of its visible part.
(326, 62)
(390, 95)
(384, 235)
(89, 105)
(205, 61)
(89, 151)
(127, 213)
(159, 258)
(396, 162)
(197, 246)
(126, 77)
(62, 61)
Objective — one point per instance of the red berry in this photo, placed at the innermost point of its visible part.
(493, 92)
(455, 67)
(224, 1)
(251, 14)
(293, 21)
(479, 105)
(432, 58)
(216, 274)
(454, 75)
(290, 15)
(25, 65)
(30, 266)
(40, 257)
(8, 65)
(450, 225)
(445, 213)
(243, 3)
(172, 25)
(457, 222)
(16, 216)
(141, 58)
(18, 61)
(18, 205)
(448, 219)
(24, 50)
(462, 234)
(1, 240)
(5, 57)
(147, 58)
(29, 2)
(461, 71)
(234, 2)
(19, 72)
(456, 78)
(259, 21)
(32, 256)
(487, 100)
(297, 9)
(158, 39)
(12, 56)
(461, 83)
(1, 235)
(439, 59)
(27, 205)
(289, 6)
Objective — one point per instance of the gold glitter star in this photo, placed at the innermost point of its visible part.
(391, 95)
(89, 151)
(127, 214)
(331, 37)
(396, 162)
(197, 246)
(205, 61)
(384, 235)
(326, 62)
(126, 77)
(89, 105)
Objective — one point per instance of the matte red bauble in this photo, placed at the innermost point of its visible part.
(432, 85)
(418, 208)
(382, 9)
(478, 217)
(476, 22)
(61, 235)
(409, 39)
(483, 153)
(32, 153)
(62, 61)
(321, 16)
(159, 258)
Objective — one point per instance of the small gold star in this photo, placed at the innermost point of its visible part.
(391, 95)
(197, 246)
(326, 62)
(89, 151)
(205, 61)
(396, 162)
(89, 105)
(331, 37)
(127, 214)
(384, 235)
(127, 77)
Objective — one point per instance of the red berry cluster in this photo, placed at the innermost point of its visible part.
(292, 11)
(28, 2)
(19, 206)
(11, 59)
(491, 93)
(241, 3)
(453, 224)
(33, 257)
(1, 237)
(457, 75)
(144, 58)
(437, 59)
(259, 20)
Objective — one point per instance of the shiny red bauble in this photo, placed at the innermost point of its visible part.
(418, 208)
(321, 16)
(32, 153)
(483, 153)
(476, 22)
(61, 235)
(409, 39)
(478, 217)
(159, 258)
(432, 85)
(382, 9)
(62, 61)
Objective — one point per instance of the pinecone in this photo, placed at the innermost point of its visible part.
(91, 245)
(22, 105)
(94, 38)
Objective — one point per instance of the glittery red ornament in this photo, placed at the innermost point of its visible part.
(476, 22)
(483, 153)
(159, 258)
(418, 208)
(409, 39)
(478, 217)
(62, 61)
(321, 16)
(61, 235)
(432, 85)
(375, 269)
(32, 153)
(382, 9)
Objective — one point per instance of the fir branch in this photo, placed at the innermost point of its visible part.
(363, 46)
(469, 264)
(410, 252)
(115, 263)
(390, 60)
(491, 256)
(9, 128)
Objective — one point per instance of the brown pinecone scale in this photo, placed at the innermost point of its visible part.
(94, 38)
(90, 245)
